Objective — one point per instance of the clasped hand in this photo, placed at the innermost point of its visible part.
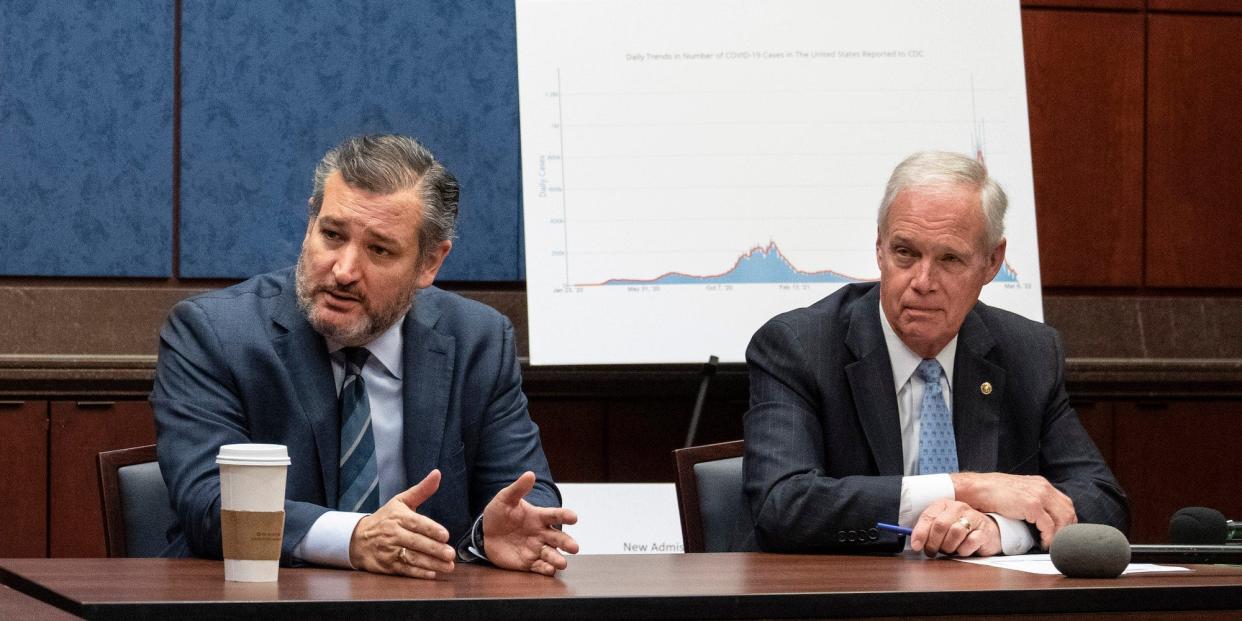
(954, 527)
(961, 527)
(398, 540)
(1029, 498)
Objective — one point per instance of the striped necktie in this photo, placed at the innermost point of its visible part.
(359, 480)
(937, 445)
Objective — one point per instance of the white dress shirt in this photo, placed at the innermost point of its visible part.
(920, 490)
(327, 541)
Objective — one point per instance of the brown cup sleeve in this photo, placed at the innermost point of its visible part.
(252, 535)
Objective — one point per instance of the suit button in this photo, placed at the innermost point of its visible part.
(841, 535)
(873, 534)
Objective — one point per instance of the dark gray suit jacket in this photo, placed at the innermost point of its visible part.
(823, 458)
(243, 365)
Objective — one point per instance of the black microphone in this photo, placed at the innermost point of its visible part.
(1203, 526)
(1101, 551)
(1182, 554)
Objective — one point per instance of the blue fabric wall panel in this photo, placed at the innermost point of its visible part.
(268, 86)
(86, 138)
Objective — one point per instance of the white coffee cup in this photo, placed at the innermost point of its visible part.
(252, 509)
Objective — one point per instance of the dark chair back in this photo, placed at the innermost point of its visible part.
(137, 514)
(715, 516)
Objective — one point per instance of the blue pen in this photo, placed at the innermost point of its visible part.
(893, 528)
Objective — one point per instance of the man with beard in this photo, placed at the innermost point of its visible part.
(383, 388)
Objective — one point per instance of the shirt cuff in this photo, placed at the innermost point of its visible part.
(1015, 537)
(918, 491)
(327, 541)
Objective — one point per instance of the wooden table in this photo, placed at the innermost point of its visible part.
(14, 605)
(734, 586)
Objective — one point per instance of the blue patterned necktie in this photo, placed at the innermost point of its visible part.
(937, 446)
(359, 481)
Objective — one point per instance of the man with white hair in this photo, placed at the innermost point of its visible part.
(909, 402)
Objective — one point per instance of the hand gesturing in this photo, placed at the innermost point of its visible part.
(396, 540)
(521, 536)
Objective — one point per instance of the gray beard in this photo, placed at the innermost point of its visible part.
(360, 333)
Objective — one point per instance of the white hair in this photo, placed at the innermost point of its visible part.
(940, 169)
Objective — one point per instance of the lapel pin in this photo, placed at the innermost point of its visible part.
(986, 388)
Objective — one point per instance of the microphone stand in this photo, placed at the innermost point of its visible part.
(708, 371)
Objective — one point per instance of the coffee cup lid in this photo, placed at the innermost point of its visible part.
(253, 455)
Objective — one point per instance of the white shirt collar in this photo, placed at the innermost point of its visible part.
(385, 348)
(905, 361)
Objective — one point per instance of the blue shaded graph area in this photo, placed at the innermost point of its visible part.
(1006, 274)
(761, 265)
(764, 265)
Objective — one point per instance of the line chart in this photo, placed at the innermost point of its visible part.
(683, 183)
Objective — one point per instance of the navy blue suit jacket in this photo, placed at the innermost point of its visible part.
(823, 458)
(242, 364)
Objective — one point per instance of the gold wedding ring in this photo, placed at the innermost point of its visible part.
(401, 555)
(965, 522)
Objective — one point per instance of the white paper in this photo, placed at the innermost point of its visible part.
(691, 168)
(1042, 564)
(624, 518)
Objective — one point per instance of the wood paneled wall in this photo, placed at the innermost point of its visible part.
(1194, 150)
(1087, 144)
(80, 430)
(1136, 141)
(23, 478)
